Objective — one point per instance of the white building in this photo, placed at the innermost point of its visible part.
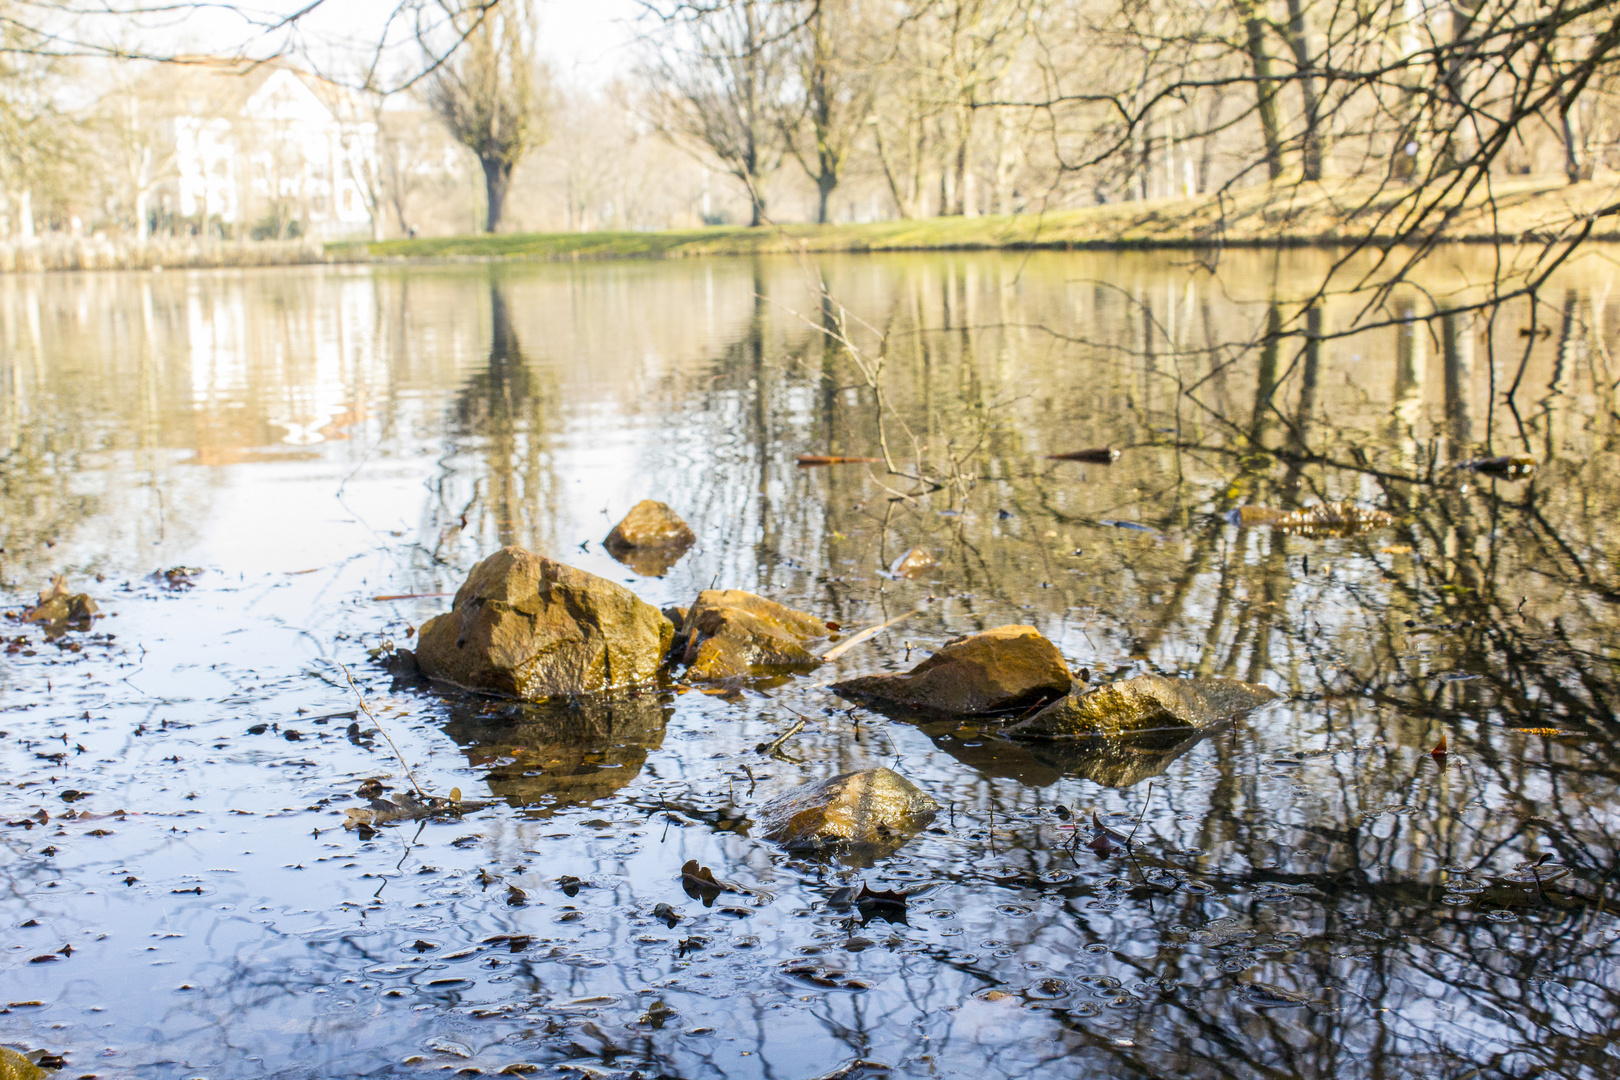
(273, 151)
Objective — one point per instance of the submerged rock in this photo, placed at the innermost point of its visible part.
(1009, 667)
(858, 812)
(651, 538)
(913, 563)
(1144, 703)
(525, 626)
(731, 633)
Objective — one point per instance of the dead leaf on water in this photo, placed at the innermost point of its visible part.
(700, 883)
(832, 459)
(1510, 467)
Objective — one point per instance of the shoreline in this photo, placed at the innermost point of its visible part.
(1293, 215)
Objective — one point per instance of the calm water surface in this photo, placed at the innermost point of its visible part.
(1311, 893)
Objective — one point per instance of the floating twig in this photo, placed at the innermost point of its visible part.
(776, 744)
(871, 631)
(373, 718)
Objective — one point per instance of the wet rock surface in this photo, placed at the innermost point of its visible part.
(1009, 667)
(861, 813)
(650, 539)
(732, 634)
(59, 610)
(1142, 704)
(529, 627)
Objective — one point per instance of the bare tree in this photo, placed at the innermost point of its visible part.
(492, 95)
(719, 68)
(837, 78)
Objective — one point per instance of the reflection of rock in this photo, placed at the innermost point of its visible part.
(863, 814)
(527, 627)
(1115, 762)
(913, 563)
(730, 633)
(1144, 703)
(650, 539)
(1008, 667)
(554, 756)
(1112, 762)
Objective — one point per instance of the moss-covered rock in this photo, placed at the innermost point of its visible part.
(1009, 667)
(1142, 704)
(734, 634)
(528, 627)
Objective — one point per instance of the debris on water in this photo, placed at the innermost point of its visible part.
(1131, 525)
(525, 626)
(1325, 519)
(859, 1069)
(651, 539)
(656, 1015)
(569, 884)
(1511, 467)
(178, 577)
(858, 813)
(1439, 751)
(59, 611)
(1547, 731)
(1142, 704)
(1267, 996)
(732, 634)
(406, 807)
(864, 635)
(1008, 667)
(1100, 455)
(700, 883)
(913, 563)
(832, 459)
(667, 914)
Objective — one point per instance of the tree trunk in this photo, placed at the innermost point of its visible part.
(497, 176)
(824, 189)
(1574, 159)
(142, 230)
(1299, 40)
(1264, 88)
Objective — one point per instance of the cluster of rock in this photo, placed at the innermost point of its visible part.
(528, 627)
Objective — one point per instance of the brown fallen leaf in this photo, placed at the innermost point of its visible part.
(1101, 455)
(1512, 467)
(700, 882)
(1100, 843)
(830, 459)
(1439, 750)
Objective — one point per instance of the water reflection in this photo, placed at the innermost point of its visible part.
(1318, 848)
(545, 759)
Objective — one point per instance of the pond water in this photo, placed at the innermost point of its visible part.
(1310, 892)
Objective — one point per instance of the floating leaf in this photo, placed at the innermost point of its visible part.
(1100, 842)
(1510, 467)
(700, 882)
(1439, 750)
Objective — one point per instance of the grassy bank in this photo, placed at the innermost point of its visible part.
(1315, 214)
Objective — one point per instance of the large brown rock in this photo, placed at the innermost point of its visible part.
(1009, 667)
(857, 812)
(731, 634)
(1142, 704)
(527, 627)
(650, 539)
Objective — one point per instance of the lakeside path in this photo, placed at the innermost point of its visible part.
(1298, 214)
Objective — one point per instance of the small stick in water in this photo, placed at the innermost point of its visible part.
(373, 718)
(871, 631)
(776, 744)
